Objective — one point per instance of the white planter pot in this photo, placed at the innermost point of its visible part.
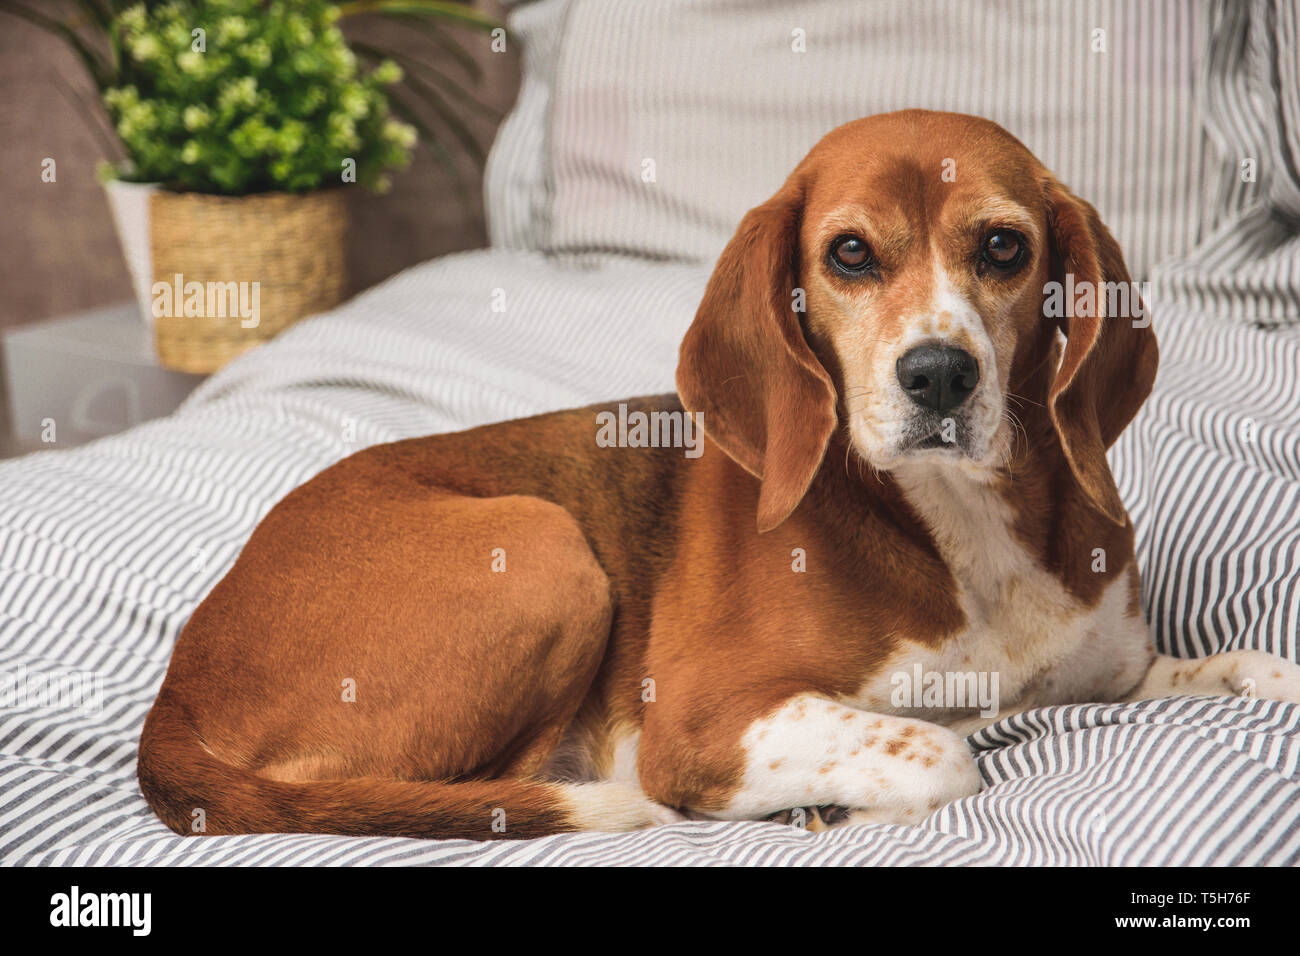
(129, 204)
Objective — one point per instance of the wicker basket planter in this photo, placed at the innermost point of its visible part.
(231, 272)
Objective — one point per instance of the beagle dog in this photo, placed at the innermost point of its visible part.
(515, 631)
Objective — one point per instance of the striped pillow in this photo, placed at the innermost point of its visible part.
(1248, 268)
(516, 195)
(670, 118)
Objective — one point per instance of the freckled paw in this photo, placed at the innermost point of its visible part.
(956, 777)
(963, 780)
(1256, 674)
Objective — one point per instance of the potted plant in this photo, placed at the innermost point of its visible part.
(241, 122)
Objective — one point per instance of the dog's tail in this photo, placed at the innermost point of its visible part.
(195, 792)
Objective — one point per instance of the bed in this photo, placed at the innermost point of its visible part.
(105, 550)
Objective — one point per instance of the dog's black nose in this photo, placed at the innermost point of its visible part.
(937, 376)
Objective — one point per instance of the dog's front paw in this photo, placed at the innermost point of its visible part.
(1256, 674)
(943, 770)
(959, 777)
(1239, 673)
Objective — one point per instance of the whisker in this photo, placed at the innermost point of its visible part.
(1023, 400)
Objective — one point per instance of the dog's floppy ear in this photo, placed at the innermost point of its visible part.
(1109, 362)
(744, 363)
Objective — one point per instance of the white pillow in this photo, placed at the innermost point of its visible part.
(713, 100)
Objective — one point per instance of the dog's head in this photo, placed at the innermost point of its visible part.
(899, 280)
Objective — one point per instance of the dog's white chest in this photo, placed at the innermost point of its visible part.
(1026, 639)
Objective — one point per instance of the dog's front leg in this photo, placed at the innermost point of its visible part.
(1243, 673)
(811, 751)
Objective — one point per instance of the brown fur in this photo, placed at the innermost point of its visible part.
(628, 564)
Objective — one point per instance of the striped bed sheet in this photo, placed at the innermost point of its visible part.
(105, 550)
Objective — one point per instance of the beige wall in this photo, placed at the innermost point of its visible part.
(58, 251)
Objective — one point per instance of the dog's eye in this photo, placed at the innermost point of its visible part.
(851, 253)
(1004, 249)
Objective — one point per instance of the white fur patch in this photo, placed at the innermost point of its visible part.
(1021, 624)
(614, 806)
(1242, 673)
(813, 751)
